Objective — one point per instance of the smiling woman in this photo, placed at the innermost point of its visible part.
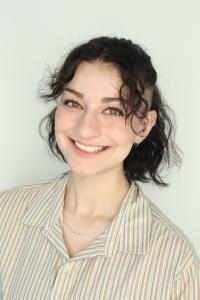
(91, 122)
(91, 233)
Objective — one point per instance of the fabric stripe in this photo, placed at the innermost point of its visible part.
(142, 255)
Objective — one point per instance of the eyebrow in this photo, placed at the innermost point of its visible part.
(80, 95)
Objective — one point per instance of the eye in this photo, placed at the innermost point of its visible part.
(74, 103)
(117, 111)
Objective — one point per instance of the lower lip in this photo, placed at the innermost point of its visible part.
(87, 154)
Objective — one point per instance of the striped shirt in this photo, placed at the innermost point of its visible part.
(140, 256)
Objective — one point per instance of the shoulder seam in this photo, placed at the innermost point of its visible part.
(39, 184)
(170, 225)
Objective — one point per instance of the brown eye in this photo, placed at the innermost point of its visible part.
(117, 112)
(74, 103)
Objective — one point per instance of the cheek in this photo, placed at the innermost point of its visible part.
(127, 144)
(129, 139)
(61, 120)
(126, 133)
(123, 136)
(57, 119)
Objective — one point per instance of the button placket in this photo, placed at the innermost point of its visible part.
(62, 280)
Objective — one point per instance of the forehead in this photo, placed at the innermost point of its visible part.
(96, 78)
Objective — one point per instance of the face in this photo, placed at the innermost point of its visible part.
(88, 112)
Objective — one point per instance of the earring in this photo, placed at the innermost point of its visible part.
(136, 145)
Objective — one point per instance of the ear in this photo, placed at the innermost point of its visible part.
(145, 126)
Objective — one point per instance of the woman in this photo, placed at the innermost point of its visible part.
(91, 233)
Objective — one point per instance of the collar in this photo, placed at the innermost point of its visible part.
(129, 231)
(46, 202)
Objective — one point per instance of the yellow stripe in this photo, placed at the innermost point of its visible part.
(140, 256)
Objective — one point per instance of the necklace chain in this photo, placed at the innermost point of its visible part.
(80, 233)
(65, 224)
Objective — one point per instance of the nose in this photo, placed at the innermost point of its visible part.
(89, 125)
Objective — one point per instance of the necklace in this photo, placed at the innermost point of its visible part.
(80, 233)
(65, 224)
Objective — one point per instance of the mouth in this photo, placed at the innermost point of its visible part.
(87, 153)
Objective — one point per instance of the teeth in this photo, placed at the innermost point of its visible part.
(89, 149)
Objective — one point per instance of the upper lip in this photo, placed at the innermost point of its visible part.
(87, 144)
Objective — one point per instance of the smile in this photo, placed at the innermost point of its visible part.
(88, 150)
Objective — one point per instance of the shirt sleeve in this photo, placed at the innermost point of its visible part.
(187, 285)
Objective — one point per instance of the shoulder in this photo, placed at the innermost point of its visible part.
(19, 197)
(19, 191)
(171, 240)
(160, 220)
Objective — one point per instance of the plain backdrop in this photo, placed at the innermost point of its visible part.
(35, 35)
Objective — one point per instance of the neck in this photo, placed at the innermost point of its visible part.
(95, 197)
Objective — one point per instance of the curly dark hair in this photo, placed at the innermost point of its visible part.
(146, 161)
